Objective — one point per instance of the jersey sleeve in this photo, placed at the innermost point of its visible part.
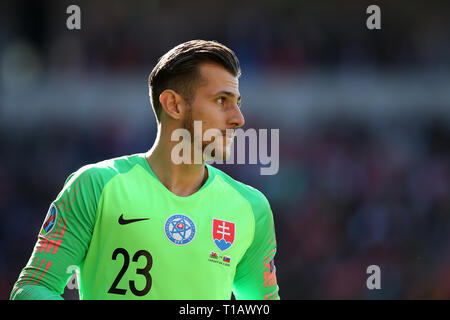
(63, 240)
(255, 277)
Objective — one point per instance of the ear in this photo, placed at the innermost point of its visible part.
(172, 103)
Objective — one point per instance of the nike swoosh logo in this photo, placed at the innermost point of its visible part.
(123, 221)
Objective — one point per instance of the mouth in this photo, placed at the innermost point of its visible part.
(225, 136)
(228, 139)
(228, 134)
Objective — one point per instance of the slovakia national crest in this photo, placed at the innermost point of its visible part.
(223, 233)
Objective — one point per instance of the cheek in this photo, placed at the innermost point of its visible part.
(208, 114)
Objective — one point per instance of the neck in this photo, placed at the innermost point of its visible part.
(181, 179)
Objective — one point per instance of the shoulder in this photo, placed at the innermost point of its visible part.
(101, 172)
(262, 212)
(255, 197)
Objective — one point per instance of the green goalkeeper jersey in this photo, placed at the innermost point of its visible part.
(132, 238)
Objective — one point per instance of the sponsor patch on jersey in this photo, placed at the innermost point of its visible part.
(223, 233)
(49, 221)
(179, 229)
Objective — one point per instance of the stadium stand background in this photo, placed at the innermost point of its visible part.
(363, 115)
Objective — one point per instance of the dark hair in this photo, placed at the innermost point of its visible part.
(178, 69)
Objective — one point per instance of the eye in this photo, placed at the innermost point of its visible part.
(221, 100)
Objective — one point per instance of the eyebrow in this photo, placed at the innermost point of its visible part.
(228, 93)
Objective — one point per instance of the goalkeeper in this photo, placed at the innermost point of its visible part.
(146, 226)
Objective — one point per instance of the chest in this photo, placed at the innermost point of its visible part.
(211, 229)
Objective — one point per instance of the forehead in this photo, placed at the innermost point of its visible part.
(216, 78)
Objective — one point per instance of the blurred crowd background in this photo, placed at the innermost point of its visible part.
(364, 118)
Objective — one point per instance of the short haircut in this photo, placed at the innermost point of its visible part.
(178, 69)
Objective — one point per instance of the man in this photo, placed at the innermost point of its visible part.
(148, 226)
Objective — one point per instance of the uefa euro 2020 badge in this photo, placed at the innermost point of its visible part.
(179, 229)
(49, 221)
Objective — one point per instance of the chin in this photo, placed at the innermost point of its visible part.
(219, 155)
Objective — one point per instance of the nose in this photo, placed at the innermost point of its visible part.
(236, 118)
